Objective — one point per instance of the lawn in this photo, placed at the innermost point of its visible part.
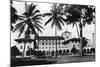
(61, 59)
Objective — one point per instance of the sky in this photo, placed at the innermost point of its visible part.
(45, 8)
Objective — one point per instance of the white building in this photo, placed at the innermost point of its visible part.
(48, 44)
(52, 44)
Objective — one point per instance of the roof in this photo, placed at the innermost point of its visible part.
(49, 38)
(66, 32)
(72, 40)
(24, 40)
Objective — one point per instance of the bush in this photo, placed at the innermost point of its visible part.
(92, 50)
(74, 50)
(15, 51)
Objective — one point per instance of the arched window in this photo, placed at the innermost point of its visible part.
(52, 42)
(42, 42)
(49, 47)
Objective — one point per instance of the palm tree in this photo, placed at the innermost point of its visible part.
(56, 18)
(31, 22)
(81, 14)
(14, 16)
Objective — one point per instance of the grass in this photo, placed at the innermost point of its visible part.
(58, 60)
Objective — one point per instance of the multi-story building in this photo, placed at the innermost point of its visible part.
(51, 45)
(48, 44)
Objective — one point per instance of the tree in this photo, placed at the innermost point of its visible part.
(14, 16)
(81, 14)
(31, 22)
(15, 51)
(56, 18)
(74, 50)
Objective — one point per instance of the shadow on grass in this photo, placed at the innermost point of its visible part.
(28, 62)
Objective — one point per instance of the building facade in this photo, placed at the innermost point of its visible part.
(51, 45)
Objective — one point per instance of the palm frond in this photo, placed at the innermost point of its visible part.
(58, 25)
(18, 26)
(38, 15)
(61, 21)
(53, 23)
(35, 12)
(36, 18)
(21, 30)
(39, 26)
(38, 29)
(47, 14)
(32, 28)
(50, 19)
(37, 21)
(25, 14)
(30, 10)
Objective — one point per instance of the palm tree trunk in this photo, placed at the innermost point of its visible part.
(81, 35)
(38, 40)
(30, 50)
(56, 40)
(77, 31)
(24, 50)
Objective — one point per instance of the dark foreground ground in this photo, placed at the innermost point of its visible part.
(61, 59)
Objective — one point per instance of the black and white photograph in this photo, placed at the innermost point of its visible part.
(51, 33)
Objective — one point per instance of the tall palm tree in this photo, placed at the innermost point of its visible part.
(81, 14)
(56, 19)
(31, 22)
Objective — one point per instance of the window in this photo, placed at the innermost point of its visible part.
(42, 42)
(21, 47)
(58, 42)
(49, 42)
(28, 47)
(42, 47)
(49, 47)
